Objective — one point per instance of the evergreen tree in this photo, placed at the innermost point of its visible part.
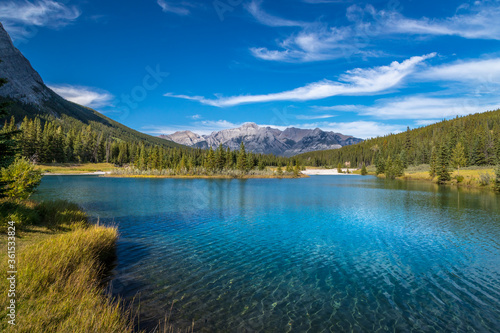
(363, 170)
(220, 158)
(339, 168)
(458, 157)
(241, 162)
(379, 164)
(279, 171)
(433, 162)
(403, 157)
(210, 160)
(21, 178)
(388, 167)
(442, 166)
(8, 145)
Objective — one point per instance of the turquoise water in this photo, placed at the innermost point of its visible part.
(321, 254)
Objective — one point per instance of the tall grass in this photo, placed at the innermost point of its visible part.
(59, 278)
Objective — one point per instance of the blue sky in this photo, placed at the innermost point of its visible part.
(359, 68)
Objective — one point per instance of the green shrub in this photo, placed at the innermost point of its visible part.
(363, 170)
(21, 178)
(484, 179)
(459, 179)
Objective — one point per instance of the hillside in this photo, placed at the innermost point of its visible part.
(266, 140)
(30, 97)
(479, 134)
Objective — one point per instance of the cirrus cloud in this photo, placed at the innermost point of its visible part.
(18, 16)
(354, 82)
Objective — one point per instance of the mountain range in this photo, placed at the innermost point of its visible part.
(266, 140)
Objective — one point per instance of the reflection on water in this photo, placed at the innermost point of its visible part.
(328, 253)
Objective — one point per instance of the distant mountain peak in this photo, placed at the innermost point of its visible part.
(266, 140)
(250, 125)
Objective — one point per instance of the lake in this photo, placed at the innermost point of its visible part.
(319, 254)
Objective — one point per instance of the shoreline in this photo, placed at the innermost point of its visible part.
(208, 176)
(327, 172)
(96, 173)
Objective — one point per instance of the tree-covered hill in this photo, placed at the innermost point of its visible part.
(478, 134)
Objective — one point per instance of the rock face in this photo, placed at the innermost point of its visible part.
(24, 83)
(266, 140)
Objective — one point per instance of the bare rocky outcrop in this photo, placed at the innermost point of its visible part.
(24, 83)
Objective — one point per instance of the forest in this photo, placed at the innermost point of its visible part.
(472, 140)
(45, 141)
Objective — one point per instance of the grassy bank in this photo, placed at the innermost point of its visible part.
(114, 171)
(483, 177)
(61, 260)
(75, 169)
(473, 177)
(202, 173)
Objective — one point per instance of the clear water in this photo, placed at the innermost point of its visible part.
(324, 254)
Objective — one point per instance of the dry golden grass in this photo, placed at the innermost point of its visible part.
(471, 177)
(75, 169)
(60, 264)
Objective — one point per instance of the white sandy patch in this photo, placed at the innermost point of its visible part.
(324, 172)
(78, 174)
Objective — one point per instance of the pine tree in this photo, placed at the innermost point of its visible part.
(458, 157)
(220, 158)
(210, 160)
(433, 162)
(379, 164)
(241, 162)
(8, 145)
(442, 166)
(363, 170)
(279, 171)
(229, 159)
(388, 168)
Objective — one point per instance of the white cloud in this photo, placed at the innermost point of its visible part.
(354, 82)
(268, 19)
(200, 127)
(422, 107)
(195, 116)
(322, 116)
(179, 7)
(87, 96)
(359, 129)
(317, 41)
(426, 122)
(17, 16)
(479, 21)
(478, 70)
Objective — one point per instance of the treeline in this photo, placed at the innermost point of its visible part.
(476, 137)
(46, 141)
